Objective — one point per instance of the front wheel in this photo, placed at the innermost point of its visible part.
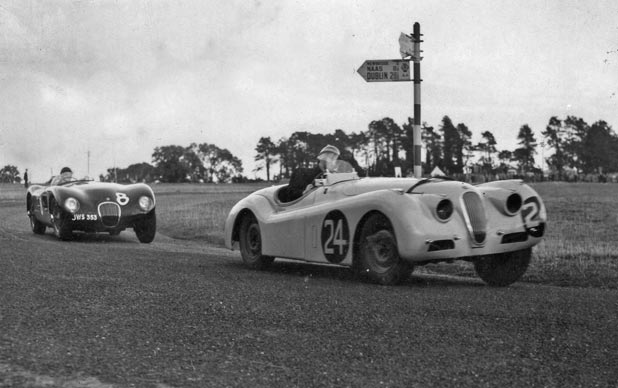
(145, 228)
(251, 244)
(61, 221)
(501, 270)
(378, 255)
(37, 226)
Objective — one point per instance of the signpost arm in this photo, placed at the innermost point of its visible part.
(416, 127)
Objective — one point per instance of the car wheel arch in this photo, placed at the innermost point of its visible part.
(241, 215)
(359, 228)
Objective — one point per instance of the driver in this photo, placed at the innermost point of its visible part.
(66, 175)
(302, 179)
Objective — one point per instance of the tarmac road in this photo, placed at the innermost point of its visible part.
(106, 311)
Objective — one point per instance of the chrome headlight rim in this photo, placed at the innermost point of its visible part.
(444, 210)
(71, 204)
(146, 203)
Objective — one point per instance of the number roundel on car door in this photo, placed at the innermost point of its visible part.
(335, 237)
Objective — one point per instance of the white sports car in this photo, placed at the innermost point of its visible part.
(385, 226)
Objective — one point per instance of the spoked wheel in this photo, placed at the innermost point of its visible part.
(503, 269)
(61, 220)
(251, 244)
(377, 253)
(145, 229)
(37, 226)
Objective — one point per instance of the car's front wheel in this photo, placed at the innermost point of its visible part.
(61, 221)
(378, 255)
(503, 269)
(251, 244)
(37, 226)
(146, 228)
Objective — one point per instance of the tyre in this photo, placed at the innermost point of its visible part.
(251, 244)
(37, 226)
(146, 228)
(61, 221)
(503, 269)
(378, 256)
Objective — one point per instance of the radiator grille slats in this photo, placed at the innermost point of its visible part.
(477, 221)
(109, 213)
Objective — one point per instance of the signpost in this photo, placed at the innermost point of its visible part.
(385, 70)
(397, 70)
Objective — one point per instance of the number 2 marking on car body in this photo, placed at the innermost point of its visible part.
(335, 236)
(530, 214)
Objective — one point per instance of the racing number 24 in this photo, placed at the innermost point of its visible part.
(335, 237)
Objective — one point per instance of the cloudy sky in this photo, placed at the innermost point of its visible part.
(118, 78)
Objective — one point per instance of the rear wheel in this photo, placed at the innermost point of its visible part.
(378, 255)
(146, 228)
(61, 221)
(503, 269)
(251, 244)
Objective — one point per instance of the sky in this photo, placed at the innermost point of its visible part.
(116, 79)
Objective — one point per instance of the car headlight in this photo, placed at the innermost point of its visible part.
(513, 204)
(444, 210)
(71, 204)
(145, 203)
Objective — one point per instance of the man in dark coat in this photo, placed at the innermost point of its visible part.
(302, 179)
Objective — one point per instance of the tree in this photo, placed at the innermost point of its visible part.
(556, 139)
(433, 145)
(9, 174)
(505, 157)
(451, 144)
(488, 147)
(598, 149)
(464, 147)
(140, 172)
(220, 165)
(266, 150)
(524, 155)
(170, 164)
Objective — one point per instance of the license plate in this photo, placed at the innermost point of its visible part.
(85, 217)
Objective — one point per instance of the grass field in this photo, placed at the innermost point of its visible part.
(580, 248)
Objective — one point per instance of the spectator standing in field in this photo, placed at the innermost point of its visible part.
(26, 179)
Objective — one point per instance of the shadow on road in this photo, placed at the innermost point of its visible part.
(89, 238)
(419, 278)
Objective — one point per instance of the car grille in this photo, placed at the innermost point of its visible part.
(475, 216)
(109, 213)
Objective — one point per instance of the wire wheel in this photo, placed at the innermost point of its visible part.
(145, 228)
(37, 226)
(378, 255)
(61, 222)
(251, 244)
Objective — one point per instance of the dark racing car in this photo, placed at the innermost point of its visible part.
(92, 207)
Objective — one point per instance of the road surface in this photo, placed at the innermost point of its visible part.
(103, 311)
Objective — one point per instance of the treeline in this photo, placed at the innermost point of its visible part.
(575, 147)
(205, 163)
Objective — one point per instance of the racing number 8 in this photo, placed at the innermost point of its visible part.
(335, 236)
(122, 198)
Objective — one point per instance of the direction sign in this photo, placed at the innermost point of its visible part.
(385, 70)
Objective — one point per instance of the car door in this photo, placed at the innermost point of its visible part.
(327, 231)
(284, 231)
